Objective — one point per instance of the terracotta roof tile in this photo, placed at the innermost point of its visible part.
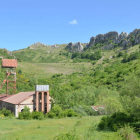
(18, 98)
(9, 63)
(96, 108)
(4, 96)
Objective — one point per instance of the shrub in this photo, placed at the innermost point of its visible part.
(93, 63)
(127, 133)
(85, 110)
(6, 112)
(25, 114)
(80, 110)
(134, 56)
(136, 126)
(50, 115)
(103, 123)
(90, 111)
(37, 115)
(57, 110)
(115, 121)
(70, 113)
(120, 54)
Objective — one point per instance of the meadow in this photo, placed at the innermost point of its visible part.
(46, 70)
(81, 128)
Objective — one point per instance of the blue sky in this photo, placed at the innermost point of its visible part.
(24, 22)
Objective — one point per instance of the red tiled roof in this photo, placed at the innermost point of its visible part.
(4, 96)
(9, 63)
(97, 107)
(18, 98)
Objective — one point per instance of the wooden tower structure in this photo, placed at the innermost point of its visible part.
(11, 65)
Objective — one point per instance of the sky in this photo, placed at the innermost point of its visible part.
(24, 22)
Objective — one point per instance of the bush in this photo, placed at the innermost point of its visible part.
(50, 115)
(57, 112)
(90, 111)
(115, 121)
(37, 115)
(6, 112)
(127, 133)
(103, 123)
(70, 113)
(80, 110)
(85, 110)
(25, 114)
(93, 63)
(120, 54)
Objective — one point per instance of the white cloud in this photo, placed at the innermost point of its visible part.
(73, 22)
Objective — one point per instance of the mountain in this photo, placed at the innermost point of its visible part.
(4, 53)
(39, 52)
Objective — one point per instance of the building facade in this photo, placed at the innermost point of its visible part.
(36, 101)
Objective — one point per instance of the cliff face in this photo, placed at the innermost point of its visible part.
(109, 40)
(75, 47)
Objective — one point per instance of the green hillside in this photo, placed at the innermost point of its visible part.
(5, 54)
(40, 54)
(78, 80)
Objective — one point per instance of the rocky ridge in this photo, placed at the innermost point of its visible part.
(109, 40)
(37, 45)
(106, 41)
(74, 47)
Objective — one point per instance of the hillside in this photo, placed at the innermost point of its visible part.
(40, 53)
(83, 75)
(39, 61)
(98, 48)
(71, 73)
(4, 53)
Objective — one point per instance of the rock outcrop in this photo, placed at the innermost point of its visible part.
(112, 36)
(74, 47)
(9, 53)
(121, 37)
(35, 46)
(109, 39)
(55, 46)
(105, 41)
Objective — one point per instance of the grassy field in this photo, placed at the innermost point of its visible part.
(45, 70)
(84, 128)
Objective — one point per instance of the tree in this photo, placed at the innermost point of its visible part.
(130, 95)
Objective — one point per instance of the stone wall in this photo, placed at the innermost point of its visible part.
(30, 103)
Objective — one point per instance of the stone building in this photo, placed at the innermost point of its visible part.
(36, 101)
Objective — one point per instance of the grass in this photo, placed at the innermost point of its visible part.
(45, 70)
(84, 128)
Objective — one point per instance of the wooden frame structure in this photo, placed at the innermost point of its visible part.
(11, 64)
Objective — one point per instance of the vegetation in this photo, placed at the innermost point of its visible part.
(82, 128)
(6, 113)
(77, 81)
(56, 112)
